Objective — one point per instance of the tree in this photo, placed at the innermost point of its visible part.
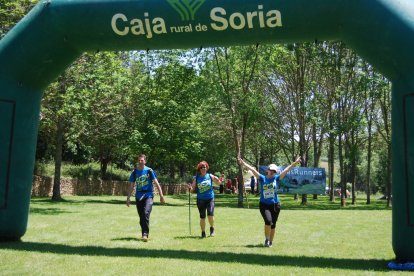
(383, 123)
(104, 82)
(293, 87)
(236, 68)
(60, 106)
(331, 59)
(374, 90)
(11, 11)
(167, 120)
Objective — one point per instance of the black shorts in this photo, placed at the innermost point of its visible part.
(204, 205)
(270, 213)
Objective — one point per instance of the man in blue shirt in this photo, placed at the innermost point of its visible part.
(269, 201)
(142, 178)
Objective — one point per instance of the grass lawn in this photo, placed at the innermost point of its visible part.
(100, 236)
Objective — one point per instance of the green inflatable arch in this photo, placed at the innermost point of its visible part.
(56, 32)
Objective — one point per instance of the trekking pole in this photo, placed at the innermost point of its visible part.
(189, 209)
(245, 194)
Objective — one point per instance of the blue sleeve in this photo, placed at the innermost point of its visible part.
(153, 175)
(261, 178)
(132, 177)
(278, 181)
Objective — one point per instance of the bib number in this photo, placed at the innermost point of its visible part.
(267, 194)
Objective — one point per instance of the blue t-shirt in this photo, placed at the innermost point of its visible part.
(204, 187)
(268, 188)
(143, 180)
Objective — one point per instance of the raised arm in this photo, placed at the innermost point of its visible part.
(253, 169)
(288, 168)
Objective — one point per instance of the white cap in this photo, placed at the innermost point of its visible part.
(273, 167)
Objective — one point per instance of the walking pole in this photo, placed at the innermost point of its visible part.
(245, 194)
(189, 209)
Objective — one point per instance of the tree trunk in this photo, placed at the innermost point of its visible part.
(304, 199)
(368, 184)
(303, 152)
(389, 202)
(331, 167)
(104, 167)
(342, 170)
(239, 152)
(182, 169)
(240, 188)
(354, 138)
(315, 151)
(172, 170)
(58, 160)
(354, 177)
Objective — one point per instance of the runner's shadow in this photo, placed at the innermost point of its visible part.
(372, 265)
(126, 239)
(254, 245)
(187, 238)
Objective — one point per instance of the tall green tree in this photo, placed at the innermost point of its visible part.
(236, 68)
(383, 123)
(60, 109)
(104, 82)
(11, 11)
(167, 115)
(292, 81)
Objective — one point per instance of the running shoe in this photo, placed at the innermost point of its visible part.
(203, 234)
(212, 233)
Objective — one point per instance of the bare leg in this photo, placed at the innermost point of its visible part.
(272, 234)
(203, 224)
(267, 231)
(211, 220)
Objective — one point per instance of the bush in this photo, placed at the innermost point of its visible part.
(82, 172)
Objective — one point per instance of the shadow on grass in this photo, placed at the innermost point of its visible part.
(47, 211)
(289, 203)
(203, 256)
(255, 245)
(187, 238)
(231, 201)
(49, 200)
(106, 201)
(81, 200)
(126, 239)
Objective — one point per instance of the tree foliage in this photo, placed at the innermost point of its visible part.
(268, 103)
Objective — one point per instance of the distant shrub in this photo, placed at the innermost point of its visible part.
(82, 171)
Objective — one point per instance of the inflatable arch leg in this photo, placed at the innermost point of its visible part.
(388, 23)
(403, 172)
(19, 118)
